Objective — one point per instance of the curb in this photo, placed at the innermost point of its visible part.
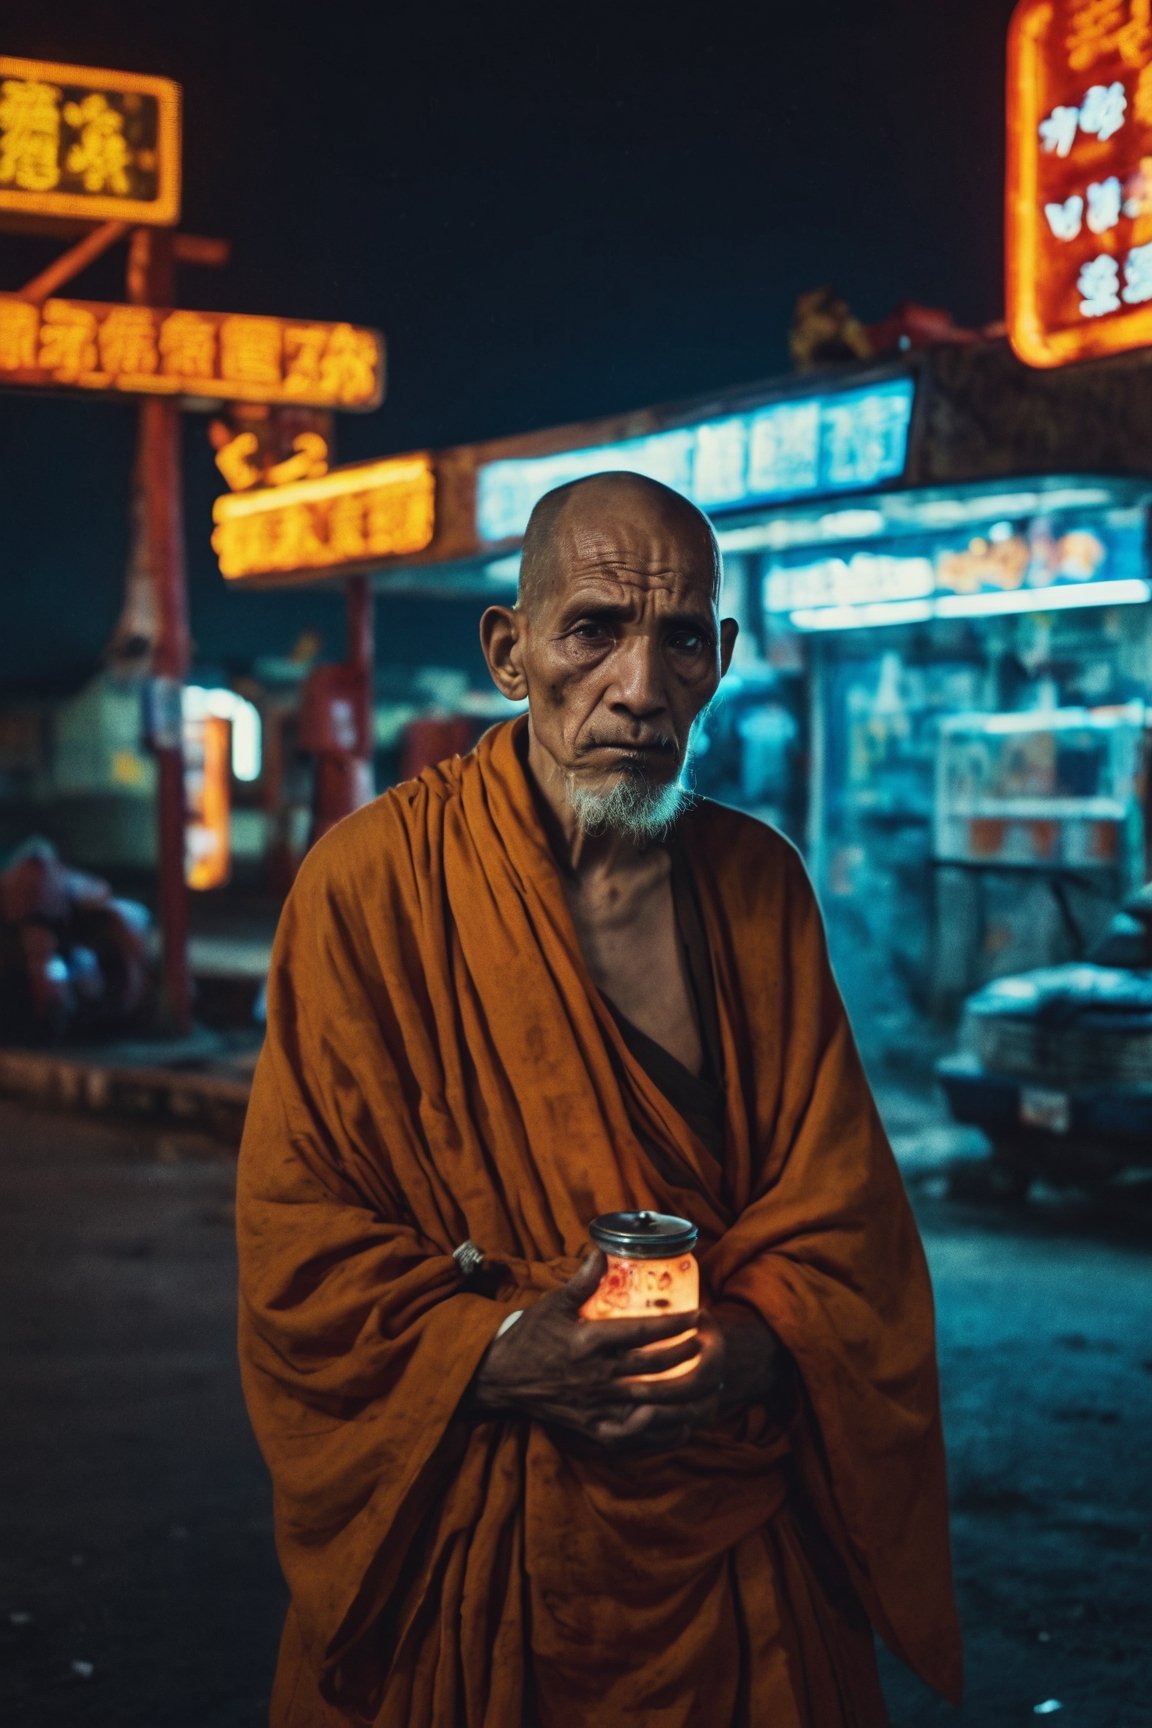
(214, 1102)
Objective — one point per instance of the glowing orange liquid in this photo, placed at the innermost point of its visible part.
(640, 1289)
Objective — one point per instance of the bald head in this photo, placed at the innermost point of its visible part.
(562, 514)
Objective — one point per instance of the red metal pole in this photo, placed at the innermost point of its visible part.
(150, 282)
(361, 654)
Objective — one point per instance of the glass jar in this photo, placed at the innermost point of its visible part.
(651, 1271)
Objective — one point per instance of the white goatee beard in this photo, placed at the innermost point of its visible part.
(635, 808)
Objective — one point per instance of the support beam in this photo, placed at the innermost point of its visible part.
(150, 275)
(72, 262)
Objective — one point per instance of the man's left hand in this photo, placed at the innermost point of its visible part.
(741, 1363)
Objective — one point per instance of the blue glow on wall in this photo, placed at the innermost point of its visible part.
(1037, 555)
(805, 447)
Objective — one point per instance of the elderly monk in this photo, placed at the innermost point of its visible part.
(535, 984)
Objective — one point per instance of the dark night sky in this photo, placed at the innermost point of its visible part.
(552, 211)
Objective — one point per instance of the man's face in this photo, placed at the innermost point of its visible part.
(623, 649)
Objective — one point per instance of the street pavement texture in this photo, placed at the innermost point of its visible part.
(138, 1586)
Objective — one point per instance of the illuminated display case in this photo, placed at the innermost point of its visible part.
(1055, 559)
(1059, 788)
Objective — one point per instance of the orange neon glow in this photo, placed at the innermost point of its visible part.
(208, 746)
(1078, 204)
(348, 519)
(83, 142)
(308, 461)
(239, 460)
(209, 356)
(635, 1289)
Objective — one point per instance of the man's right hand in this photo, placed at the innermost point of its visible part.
(553, 1366)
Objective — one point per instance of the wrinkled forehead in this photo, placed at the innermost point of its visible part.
(631, 538)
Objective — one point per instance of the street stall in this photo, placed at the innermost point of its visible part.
(939, 561)
(941, 570)
(976, 688)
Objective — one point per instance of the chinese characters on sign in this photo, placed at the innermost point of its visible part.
(81, 143)
(834, 443)
(214, 356)
(238, 460)
(349, 519)
(1079, 196)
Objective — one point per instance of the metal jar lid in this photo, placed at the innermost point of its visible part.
(643, 1235)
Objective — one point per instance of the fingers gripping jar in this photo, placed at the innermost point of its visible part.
(651, 1272)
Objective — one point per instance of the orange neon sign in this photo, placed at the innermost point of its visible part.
(204, 356)
(79, 142)
(238, 457)
(1079, 189)
(346, 520)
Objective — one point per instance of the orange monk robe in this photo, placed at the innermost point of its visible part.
(439, 1066)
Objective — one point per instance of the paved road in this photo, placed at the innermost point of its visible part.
(138, 1587)
(139, 1527)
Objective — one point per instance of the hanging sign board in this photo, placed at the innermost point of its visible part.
(205, 356)
(838, 441)
(78, 143)
(1079, 190)
(348, 520)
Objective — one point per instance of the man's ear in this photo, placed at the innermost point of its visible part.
(729, 630)
(501, 630)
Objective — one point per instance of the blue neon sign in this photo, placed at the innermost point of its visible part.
(805, 447)
(1007, 566)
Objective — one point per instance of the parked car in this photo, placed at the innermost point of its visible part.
(1055, 1065)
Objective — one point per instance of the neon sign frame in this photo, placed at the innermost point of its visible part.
(802, 446)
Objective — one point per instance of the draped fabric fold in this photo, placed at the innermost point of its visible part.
(440, 1067)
